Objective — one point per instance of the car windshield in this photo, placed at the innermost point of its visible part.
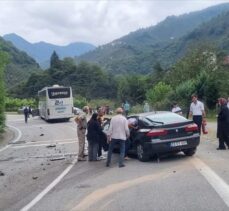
(164, 118)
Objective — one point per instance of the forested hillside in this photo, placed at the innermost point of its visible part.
(141, 50)
(20, 65)
(214, 33)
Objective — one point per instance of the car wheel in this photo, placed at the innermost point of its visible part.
(190, 152)
(142, 156)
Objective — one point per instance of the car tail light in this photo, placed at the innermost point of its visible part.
(191, 128)
(157, 132)
(48, 112)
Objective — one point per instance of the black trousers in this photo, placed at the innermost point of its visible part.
(198, 120)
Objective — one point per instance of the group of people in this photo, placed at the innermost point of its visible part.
(118, 133)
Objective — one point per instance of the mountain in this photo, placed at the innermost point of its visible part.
(214, 33)
(139, 51)
(20, 65)
(42, 51)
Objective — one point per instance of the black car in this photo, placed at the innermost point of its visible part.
(161, 132)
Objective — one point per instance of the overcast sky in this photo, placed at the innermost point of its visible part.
(95, 21)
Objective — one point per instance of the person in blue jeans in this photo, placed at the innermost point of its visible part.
(117, 134)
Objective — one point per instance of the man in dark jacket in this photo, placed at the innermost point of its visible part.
(223, 124)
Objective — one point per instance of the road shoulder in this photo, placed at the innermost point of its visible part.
(7, 136)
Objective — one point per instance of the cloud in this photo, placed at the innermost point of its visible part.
(94, 21)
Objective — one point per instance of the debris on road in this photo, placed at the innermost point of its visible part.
(7, 159)
(51, 145)
(2, 174)
(42, 134)
(83, 186)
(60, 158)
(55, 155)
(34, 178)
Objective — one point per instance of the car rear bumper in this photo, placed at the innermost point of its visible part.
(166, 147)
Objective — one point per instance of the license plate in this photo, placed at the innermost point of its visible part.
(179, 143)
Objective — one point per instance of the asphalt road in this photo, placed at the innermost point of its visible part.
(40, 173)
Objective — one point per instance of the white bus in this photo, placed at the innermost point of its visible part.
(55, 102)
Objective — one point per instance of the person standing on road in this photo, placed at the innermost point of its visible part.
(117, 134)
(26, 113)
(223, 124)
(81, 121)
(146, 107)
(197, 111)
(94, 132)
(126, 108)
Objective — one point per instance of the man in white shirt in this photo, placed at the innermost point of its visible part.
(197, 111)
(117, 134)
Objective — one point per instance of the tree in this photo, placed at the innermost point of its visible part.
(55, 61)
(132, 88)
(182, 95)
(3, 61)
(157, 96)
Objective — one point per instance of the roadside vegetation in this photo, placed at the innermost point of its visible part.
(3, 61)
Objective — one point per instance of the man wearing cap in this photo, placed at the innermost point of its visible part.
(197, 111)
(117, 134)
(81, 121)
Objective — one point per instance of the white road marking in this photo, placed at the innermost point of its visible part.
(19, 134)
(15, 140)
(50, 187)
(4, 148)
(40, 145)
(220, 186)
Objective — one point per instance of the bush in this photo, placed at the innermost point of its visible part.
(13, 104)
(136, 109)
(79, 101)
(158, 96)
